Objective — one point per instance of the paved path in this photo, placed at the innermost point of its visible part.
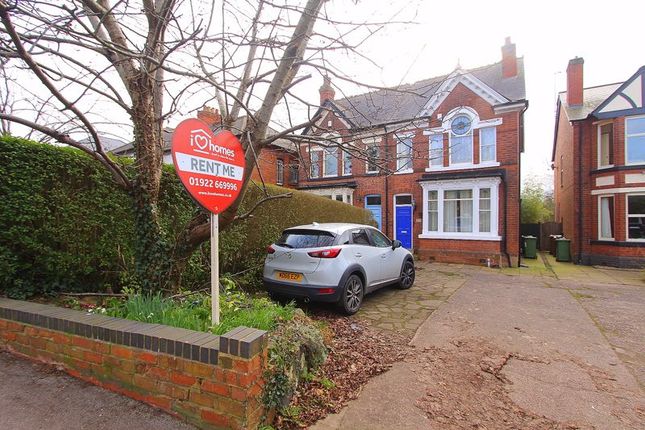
(539, 348)
(34, 397)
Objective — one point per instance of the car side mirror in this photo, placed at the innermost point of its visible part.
(396, 244)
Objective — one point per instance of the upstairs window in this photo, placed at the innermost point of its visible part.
(487, 144)
(347, 163)
(330, 162)
(404, 153)
(373, 154)
(279, 177)
(606, 145)
(314, 158)
(635, 140)
(436, 150)
(461, 140)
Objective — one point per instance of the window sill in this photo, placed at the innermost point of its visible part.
(403, 172)
(608, 166)
(460, 236)
(462, 167)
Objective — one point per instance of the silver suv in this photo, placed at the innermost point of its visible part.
(336, 263)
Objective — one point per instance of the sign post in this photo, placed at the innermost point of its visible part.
(211, 168)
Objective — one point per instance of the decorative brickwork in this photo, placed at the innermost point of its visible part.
(210, 381)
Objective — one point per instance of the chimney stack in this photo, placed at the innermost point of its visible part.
(574, 82)
(326, 90)
(210, 116)
(509, 59)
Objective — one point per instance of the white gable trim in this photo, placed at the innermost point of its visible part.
(471, 82)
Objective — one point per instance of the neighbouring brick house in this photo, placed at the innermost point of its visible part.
(276, 164)
(437, 161)
(599, 163)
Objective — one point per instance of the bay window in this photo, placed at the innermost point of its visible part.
(606, 218)
(461, 209)
(636, 217)
(635, 140)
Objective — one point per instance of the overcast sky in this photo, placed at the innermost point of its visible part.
(608, 35)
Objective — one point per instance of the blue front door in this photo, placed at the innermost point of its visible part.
(404, 225)
(373, 204)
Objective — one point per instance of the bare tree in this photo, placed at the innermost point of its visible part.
(90, 65)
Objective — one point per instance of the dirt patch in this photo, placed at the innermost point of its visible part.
(467, 389)
(357, 352)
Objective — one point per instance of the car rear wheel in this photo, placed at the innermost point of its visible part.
(352, 297)
(407, 275)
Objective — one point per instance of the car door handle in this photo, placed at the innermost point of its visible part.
(358, 254)
(383, 255)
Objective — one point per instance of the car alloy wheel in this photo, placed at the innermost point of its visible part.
(407, 275)
(352, 295)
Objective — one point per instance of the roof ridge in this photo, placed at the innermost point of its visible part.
(597, 86)
(398, 87)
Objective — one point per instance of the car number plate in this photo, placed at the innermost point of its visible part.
(290, 276)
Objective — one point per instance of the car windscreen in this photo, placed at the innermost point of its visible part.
(305, 239)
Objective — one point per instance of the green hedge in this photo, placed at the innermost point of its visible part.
(64, 226)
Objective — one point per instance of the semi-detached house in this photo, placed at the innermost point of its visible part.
(599, 169)
(437, 162)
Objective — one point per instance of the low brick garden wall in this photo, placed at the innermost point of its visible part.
(210, 381)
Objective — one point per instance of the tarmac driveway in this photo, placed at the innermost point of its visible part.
(548, 346)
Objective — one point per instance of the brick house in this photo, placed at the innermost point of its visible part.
(599, 163)
(276, 164)
(437, 161)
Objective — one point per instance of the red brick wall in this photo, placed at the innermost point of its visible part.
(222, 396)
(508, 155)
(268, 166)
(564, 177)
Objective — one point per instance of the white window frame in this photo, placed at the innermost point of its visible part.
(627, 217)
(324, 161)
(439, 165)
(279, 174)
(598, 143)
(494, 160)
(311, 164)
(475, 185)
(477, 123)
(372, 142)
(627, 163)
(472, 148)
(400, 138)
(613, 232)
(346, 154)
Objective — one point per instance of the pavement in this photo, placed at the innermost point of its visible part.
(38, 397)
(552, 345)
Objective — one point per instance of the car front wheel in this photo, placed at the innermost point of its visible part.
(352, 297)
(407, 275)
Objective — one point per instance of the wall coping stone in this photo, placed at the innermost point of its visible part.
(189, 344)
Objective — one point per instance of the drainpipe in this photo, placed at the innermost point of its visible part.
(386, 198)
(519, 187)
(580, 192)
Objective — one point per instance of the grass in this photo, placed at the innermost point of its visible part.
(193, 312)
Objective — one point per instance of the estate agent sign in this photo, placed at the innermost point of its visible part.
(211, 167)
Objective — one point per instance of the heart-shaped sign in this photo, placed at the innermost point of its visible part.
(211, 166)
